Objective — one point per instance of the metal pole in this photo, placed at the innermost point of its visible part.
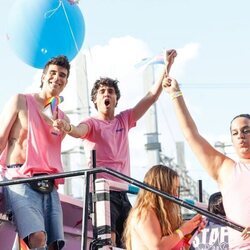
(46, 177)
(129, 180)
(175, 199)
(94, 194)
(85, 213)
(200, 191)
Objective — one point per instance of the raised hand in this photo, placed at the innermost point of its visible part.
(170, 56)
(60, 125)
(246, 233)
(196, 222)
(170, 85)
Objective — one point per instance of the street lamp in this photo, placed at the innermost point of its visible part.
(222, 146)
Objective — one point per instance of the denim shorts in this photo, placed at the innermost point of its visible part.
(34, 212)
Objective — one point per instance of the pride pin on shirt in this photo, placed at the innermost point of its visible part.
(51, 104)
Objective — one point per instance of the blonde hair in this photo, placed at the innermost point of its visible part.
(168, 213)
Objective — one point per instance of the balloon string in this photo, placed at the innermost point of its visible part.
(50, 13)
(70, 28)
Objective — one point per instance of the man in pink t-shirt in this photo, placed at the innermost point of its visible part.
(107, 133)
(30, 146)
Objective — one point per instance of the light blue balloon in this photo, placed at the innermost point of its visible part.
(41, 29)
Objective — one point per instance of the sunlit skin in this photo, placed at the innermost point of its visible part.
(54, 81)
(15, 114)
(146, 232)
(219, 166)
(106, 101)
(14, 125)
(240, 134)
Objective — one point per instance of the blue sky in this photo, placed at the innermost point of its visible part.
(213, 41)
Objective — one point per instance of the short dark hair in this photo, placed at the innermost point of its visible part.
(60, 60)
(105, 81)
(238, 116)
(215, 204)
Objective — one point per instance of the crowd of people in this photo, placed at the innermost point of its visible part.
(28, 150)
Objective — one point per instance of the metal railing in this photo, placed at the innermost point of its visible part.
(88, 172)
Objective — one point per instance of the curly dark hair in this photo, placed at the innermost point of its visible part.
(60, 60)
(105, 81)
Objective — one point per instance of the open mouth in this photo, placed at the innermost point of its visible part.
(243, 145)
(107, 102)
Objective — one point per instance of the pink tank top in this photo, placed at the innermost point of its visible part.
(236, 201)
(43, 153)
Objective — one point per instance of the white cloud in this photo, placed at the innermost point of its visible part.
(185, 54)
(117, 58)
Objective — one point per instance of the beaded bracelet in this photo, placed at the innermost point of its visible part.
(180, 233)
(176, 94)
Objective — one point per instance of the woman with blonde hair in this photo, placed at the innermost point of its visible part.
(155, 222)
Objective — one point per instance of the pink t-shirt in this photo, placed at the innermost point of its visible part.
(236, 201)
(110, 141)
(43, 153)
